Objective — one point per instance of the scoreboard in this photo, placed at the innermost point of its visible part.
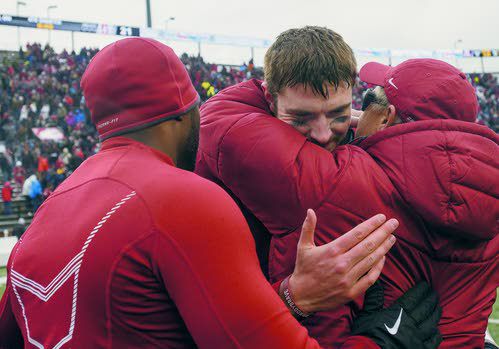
(56, 24)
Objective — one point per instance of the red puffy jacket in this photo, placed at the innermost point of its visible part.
(439, 178)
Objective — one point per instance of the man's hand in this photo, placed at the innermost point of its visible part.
(411, 322)
(333, 274)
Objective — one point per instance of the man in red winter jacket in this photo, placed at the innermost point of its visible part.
(438, 177)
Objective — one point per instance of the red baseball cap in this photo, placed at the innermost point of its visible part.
(424, 89)
(135, 83)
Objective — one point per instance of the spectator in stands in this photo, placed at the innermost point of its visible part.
(487, 90)
(7, 198)
(66, 156)
(20, 228)
(35, 193)
(28, 159)
(5, 168)
(19, 173)
(26, 190)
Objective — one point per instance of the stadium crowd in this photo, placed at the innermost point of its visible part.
(41, 88)
(487, 90)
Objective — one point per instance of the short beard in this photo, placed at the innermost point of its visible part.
(186, 159)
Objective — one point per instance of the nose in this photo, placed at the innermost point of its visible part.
(320, 131)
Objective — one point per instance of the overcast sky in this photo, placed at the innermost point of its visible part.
(395, 24)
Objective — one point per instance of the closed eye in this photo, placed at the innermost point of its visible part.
(341, 119)
(299, 122)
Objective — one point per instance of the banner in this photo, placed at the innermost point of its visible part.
(214, 39)
(48, 133)
(57, 24)
(438, 54)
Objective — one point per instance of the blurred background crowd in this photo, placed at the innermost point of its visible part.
(40, 88)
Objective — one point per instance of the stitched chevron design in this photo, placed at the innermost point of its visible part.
(44, 293)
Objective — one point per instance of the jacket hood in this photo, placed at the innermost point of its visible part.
(249, 93)
(447, 171)
(225, 109)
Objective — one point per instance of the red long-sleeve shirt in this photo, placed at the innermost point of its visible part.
(131, 252)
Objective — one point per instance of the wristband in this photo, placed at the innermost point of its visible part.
(287, 297)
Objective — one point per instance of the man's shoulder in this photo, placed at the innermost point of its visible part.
(252, 87)
(136, 167)
(176, 181)
(242, 98)
(354, 159)
(236, 105)
(183, 195)
(154, 177)
(421, 130)
(159, 182)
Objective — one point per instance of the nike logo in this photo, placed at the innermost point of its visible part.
(393, 330)
(391, 83)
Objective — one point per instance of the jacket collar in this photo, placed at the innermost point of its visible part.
(120, 141)
(426, 125)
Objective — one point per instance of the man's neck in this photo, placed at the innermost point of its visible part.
(152, 138)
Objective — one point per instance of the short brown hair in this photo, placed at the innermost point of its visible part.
(312, 56)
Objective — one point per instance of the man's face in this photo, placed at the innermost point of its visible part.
(370, 122)
(375, 114)
(324, 122)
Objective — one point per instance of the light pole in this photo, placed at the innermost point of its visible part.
(51, 7)
(18, 4)
(148, 12)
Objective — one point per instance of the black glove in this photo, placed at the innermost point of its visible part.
(410, 323)
(489, 345)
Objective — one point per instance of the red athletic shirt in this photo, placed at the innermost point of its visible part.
(131, 252)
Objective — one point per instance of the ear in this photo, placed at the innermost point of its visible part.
(268, 97)
(389, 118)
(392, 116)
